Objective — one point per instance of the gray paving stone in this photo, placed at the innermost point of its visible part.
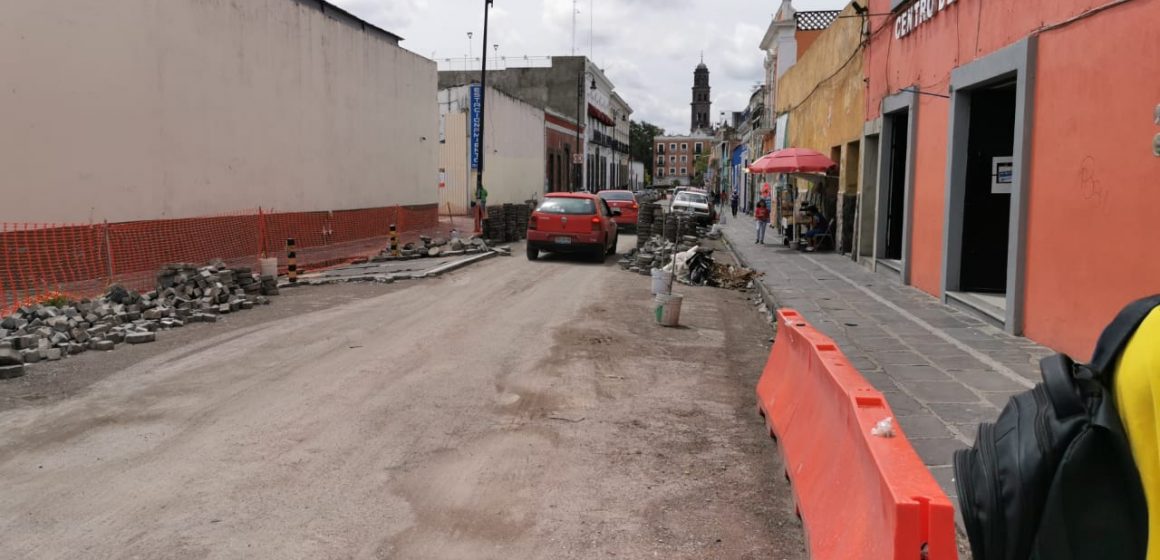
(903, 405)
(945, 476)
(916, 373)
(940, 392)
(986, 380)
(880, 381)
(999, 399)
(935, 452)
(923, 426)
(901, 358)
(966, 413)
(963, 363)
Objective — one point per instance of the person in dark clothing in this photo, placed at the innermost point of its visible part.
(733, 202)
(819, 226)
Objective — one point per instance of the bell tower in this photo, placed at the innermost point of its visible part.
(701, 98)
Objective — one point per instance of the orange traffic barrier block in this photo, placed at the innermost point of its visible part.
(859, 495)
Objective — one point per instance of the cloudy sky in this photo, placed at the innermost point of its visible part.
(648, 48)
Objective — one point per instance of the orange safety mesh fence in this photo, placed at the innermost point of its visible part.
(38, 261)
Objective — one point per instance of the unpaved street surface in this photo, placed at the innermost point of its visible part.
(509, 410)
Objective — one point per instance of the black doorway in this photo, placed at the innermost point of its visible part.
(987, 214)
(896, 184)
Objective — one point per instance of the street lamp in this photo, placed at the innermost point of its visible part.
(482, 113)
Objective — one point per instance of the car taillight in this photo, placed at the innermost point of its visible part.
(595, 223)
(635, 206)
(532, 222)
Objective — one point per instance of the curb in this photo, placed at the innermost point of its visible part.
(766, 294)
(391, 277)
(456, 265)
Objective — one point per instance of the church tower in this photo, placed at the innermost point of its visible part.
(701, 101)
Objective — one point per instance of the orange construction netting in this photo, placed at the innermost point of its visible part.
(41, 261)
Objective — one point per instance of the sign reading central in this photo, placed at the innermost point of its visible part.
(920, 12)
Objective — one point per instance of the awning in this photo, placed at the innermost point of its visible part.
(600, 116)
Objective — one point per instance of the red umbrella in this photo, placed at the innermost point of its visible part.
(791, 160)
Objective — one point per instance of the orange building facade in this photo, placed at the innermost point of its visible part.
(1012, 158)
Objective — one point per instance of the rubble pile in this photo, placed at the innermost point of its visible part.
(185, 294)
(437, 247)
(694, 264)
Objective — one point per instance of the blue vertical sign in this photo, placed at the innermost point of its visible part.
(476, 116)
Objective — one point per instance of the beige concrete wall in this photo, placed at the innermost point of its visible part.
(141, 109)
(824, 113)
(514, 149)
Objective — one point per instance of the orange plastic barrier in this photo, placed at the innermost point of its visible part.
(859, 496)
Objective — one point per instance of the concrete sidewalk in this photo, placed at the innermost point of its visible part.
(942, 371)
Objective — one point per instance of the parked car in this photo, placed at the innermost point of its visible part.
(573, 223)
(626, 202)
(696, 206)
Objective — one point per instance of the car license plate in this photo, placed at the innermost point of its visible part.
(563, 240)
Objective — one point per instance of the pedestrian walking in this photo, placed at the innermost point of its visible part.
(761, 214)
(733, 201)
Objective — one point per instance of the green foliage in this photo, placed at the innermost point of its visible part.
(641, 139)
(57, 300)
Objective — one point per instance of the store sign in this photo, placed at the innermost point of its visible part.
(475, 116)
(1002, 174)
(919, 13)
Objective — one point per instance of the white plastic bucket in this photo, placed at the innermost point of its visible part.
(269, 266)
(662, 282)
(668, 309)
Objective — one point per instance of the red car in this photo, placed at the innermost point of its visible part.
(626, 202)
(573, 222)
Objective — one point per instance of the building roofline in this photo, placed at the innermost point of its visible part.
(326, 8)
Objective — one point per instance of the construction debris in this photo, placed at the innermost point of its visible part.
(668, 241)
(427, 247)
(185, 294)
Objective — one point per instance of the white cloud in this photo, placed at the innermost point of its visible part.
(648, 48)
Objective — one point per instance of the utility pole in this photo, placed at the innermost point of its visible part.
(482, 108)
(573, 27)
(578, 169)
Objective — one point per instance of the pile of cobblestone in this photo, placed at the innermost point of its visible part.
(437, 247)
(185, 293)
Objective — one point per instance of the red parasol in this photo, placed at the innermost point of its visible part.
(792, 160)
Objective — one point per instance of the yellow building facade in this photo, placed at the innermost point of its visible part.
(823, 100)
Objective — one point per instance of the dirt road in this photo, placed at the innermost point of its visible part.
(510, 410)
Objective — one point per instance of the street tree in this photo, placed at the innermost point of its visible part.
(641, 139)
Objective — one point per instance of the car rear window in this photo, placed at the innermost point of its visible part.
(616, 196)
(563, 205)
(690, 197)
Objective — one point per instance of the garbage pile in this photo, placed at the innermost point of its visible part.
(185, 293)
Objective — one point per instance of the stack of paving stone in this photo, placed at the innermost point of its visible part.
(521, 213)
(185, 294)
(495, 226)
(511, 223)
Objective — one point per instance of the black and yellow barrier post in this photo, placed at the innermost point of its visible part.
(394, 241)
(291, 261)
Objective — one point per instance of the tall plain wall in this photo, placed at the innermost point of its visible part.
(514, 150)
(125, 110)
